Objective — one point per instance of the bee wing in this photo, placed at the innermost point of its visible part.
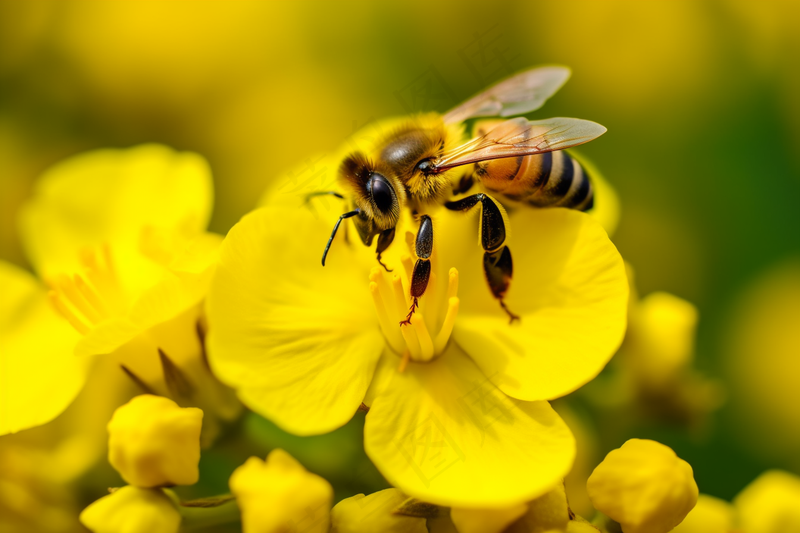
(518, 137)
(514, 96)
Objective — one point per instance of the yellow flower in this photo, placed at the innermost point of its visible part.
(303, 344)
(280, 495)
(133, 510)
(770, 504)
(374, 513)
(644, 486)
(153, 442)
(119, 237)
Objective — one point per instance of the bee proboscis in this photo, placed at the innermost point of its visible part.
(428, 160)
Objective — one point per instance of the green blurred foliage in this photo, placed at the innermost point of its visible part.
(700, 100)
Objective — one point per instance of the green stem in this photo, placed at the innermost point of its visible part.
(195, 518)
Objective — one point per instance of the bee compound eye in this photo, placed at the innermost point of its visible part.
(382, 193)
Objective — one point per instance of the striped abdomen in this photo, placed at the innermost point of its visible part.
(552, 179)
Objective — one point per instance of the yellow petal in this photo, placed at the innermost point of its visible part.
(373, 514)
(570, 289)
(443, 433)
(606, 209)
(40, 375)
(298, 341)
(132, 510)
(770, 504)
(109, 196)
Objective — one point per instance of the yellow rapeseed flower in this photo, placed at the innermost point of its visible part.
(279, 495)
(153, 443)
(133, 510)
(464, 423)
(644, 486)
(119, 237)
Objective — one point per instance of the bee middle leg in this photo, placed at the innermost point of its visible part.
(497, 264)
(422, 268)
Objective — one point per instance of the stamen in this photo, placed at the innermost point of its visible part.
(413, 340)
(66, 312)
(394, 339)
(452, 283)
(408, 266)
(404, 362)
(430, 304)
(68, 289)
(409, 334)
(447, 327)
(425, 341)
(91, 296)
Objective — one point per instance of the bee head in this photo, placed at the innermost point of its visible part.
(376, 193)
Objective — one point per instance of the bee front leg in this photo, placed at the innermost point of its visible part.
(497, 264)
(384, 240)
(422, 268)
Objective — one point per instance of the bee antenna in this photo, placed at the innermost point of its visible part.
(335, 229)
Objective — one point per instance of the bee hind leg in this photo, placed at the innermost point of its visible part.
(498, 268)
(497, 264)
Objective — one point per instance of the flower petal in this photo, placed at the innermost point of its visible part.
(442, 432)
(110, 196)
(39, 374)
(569, 288)
(298, 341)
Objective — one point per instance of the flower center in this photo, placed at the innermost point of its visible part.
(437, 312)
(88, 299)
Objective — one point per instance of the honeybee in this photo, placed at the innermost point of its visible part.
(428, 160)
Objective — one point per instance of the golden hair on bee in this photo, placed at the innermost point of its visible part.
(419, 138)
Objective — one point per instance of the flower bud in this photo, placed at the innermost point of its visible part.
(644, 486)
(770, 504)
(710, 515)
(153, 442)
(132, 510)
(280, 495)
(661, 342)
(368, 514)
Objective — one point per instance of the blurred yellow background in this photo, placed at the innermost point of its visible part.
(700, 100)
